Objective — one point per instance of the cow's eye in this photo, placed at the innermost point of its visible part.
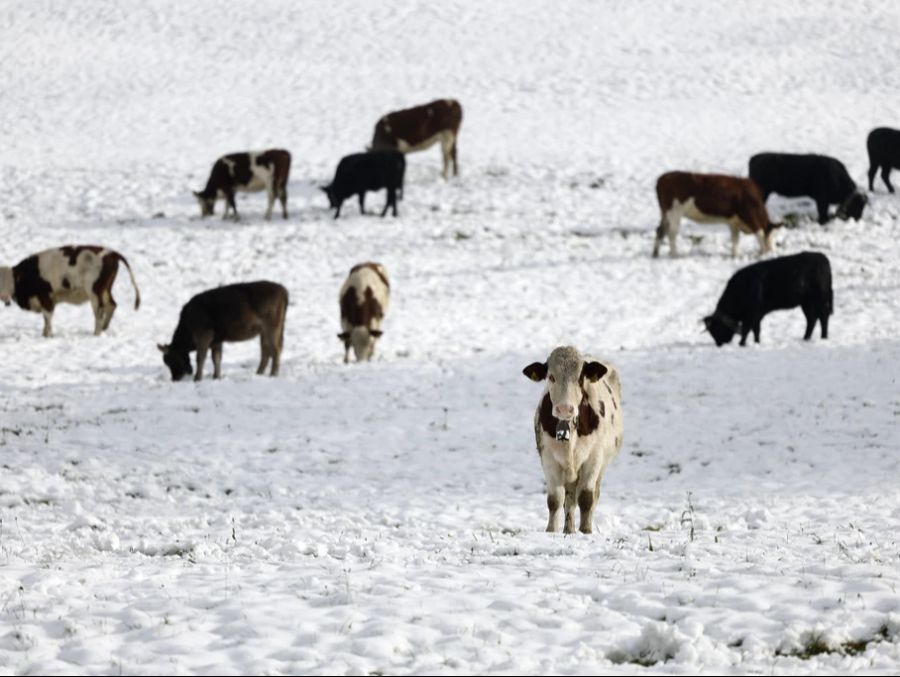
(552, 378)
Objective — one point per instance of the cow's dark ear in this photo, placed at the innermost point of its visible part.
(162, 348)
(536, 371)
(593, 371)
(708, 320)
(325, 189)
(375, 333)
(344, 336)
(196, 193)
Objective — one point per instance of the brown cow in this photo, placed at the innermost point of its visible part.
(364, 301)
(418, 128)
(712, 198)
(70, 274)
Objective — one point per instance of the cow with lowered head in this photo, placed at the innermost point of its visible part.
(235, 312)
(711, 198)
(361, 172)
(248, 172)
(70, 274)
(420, 127)
(578, 428)
(822, 178)
(778, 284)
(364, 300)
(883, 145)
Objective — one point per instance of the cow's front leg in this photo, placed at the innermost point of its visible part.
(229, 202)
(217, 360)
(202, 347)
(98, 314)
(555, 497)
(822, 208)
(48, 323)
(569, 526)
(264, 353)
(586, 502)
(362, 202)
(735, 238)
(270, 194)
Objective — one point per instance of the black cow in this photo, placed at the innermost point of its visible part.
(235, 312)
(883, 145)
(820, 177)
(360, 172)
(787, 282)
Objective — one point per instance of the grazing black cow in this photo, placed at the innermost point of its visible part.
(786, 282)
(249, 173)
(883, 145)
(820, 177)
(360, 172)
(235, 312)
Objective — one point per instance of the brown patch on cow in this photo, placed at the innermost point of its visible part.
(546, 419)
(73, 251)
(374, 267)
(585, 500)
(29, 284)
(360, 314)
(103, 285)
(416, 125)
(588, 421)
(715, 195)
(278, 161)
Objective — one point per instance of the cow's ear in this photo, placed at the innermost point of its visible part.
(708, 320)
(325, 189)
(593, 371)
(162, 348)
(375, 333)
(536, 371)
(196, 194)
(344, 336)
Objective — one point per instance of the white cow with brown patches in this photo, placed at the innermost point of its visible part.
(71, 274)
(364, 300)
(578, 428)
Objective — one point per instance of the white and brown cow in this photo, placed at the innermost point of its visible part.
(418, 128)
(248, 172)
(578, 428)
(364, 300)
(70, 274)
(712, 198)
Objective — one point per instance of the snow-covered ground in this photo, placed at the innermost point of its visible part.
(387, 517)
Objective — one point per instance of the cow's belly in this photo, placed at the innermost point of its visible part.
(689, 210)
(75, 296)
(406, 147)
(257, 183)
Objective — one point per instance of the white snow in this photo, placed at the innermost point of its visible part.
(387, 517)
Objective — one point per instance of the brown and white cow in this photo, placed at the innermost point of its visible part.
(248, 172)
(579, 429)
(70, 274)
(364, 300)
(418, 128)
(712, 198)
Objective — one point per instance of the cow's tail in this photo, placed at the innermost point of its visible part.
(137, 292)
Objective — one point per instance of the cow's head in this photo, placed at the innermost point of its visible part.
(566, 370)
(329, 191)
(178, 362)
(7, 284)
(362, 340)
(207, 204)
(721, 327)
(852, 207)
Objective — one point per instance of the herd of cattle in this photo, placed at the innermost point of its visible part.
(578, 422)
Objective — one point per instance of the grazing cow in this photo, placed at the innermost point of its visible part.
(421, 127)
(248, 173)
(70, 274)
(786, 282)
(883, 145)
(364, 301)
(711, 198)
(235, 312)
(360, 172)
(820, 177)
(579, 429)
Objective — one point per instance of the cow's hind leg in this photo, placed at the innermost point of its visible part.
(391, 202)
(48, 323)
(811, 313)
(217, 360)
(282, 197)
(873, 169)
(270, 195)
(99, 312)
(822, 209)
(265, 351)
(447, 153)
(660, 234)
(203, 342)
(886, 177)
(362, 202)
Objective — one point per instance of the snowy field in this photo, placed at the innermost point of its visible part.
(387, 518)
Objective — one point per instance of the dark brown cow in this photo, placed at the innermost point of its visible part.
(70, 274)
(235, 312)
(249, 173)
(418, 128)
(712, 198)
